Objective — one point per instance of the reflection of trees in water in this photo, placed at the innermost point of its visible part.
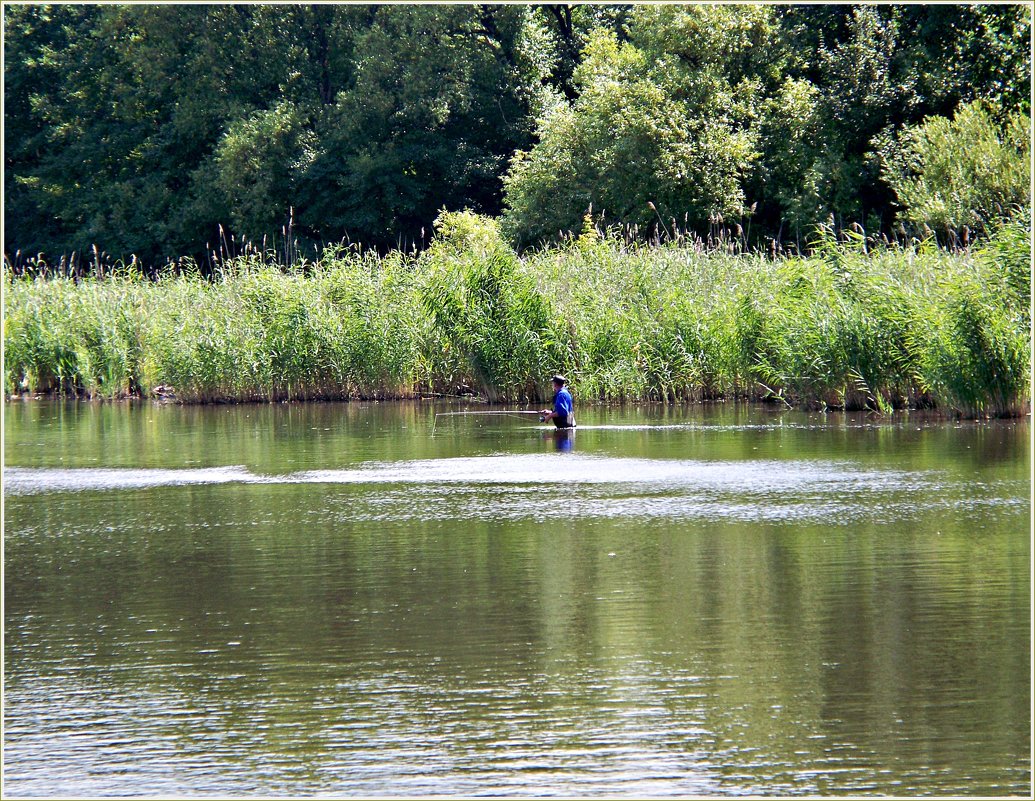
(276, 626)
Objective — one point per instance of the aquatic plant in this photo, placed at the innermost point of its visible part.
(487, 308)
(856, 324)
(73, 338)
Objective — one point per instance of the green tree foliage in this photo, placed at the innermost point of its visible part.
(145, 128)
(714, 111)
(137, 98)
(435, 105)
(660, 128)
(963, 172)
(960, 53)
(258, 164)
(874, 70)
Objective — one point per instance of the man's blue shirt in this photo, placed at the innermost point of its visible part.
(562, 404)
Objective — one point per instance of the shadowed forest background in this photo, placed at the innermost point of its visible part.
(158, 133)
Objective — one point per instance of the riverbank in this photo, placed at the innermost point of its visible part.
(848, 327)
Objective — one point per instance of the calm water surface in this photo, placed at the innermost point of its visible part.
(355, 599)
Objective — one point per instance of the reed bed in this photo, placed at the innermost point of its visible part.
(850, 326)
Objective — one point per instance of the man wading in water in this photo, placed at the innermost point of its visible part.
(563, 414)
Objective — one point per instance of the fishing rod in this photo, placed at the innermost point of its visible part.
(507, 411)
(511, 411)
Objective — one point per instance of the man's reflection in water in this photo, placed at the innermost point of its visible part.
(563, 438)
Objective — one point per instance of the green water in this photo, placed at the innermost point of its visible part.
(355, 599)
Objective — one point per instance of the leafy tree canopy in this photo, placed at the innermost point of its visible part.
(157, 131)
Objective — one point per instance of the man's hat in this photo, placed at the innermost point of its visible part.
(560, 379)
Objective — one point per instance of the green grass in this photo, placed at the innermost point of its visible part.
(848, 327)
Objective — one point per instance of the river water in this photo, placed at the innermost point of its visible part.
(367, 599)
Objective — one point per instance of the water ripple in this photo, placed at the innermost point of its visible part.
(502, 469)
(521, 486)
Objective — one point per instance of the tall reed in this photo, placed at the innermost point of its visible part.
(853, 325)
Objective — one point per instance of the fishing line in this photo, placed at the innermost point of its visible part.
(452, 414)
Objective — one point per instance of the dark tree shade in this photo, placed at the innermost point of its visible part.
(167, 130)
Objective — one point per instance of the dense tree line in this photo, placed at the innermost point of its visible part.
(176, 130)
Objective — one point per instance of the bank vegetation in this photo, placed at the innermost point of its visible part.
(857, 324)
